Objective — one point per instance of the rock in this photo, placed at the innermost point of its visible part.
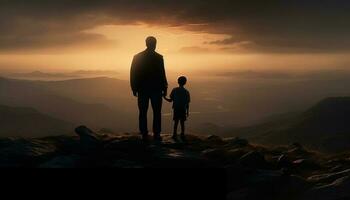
(237, 142)
(337, 168)
(214, 139)
(26, 152)
(129, 145)
(88, 139)
(330, 177)
(296, 185)
(71, 161)
(295, 145)
(126, 164)
(180, 159)
(278, 149)
(240, 194)
(215, 154)
(235, 154)
(264, 177)
(106, 131)
(337, 190)
(298, 153)
(283, 161)
(253, 159)
(6, 142)
(306, 164)
(263, 184)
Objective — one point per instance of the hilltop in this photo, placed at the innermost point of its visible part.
(253, 171)
(17, 121)
(325, 127)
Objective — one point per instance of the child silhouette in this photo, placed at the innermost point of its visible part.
(181, 104)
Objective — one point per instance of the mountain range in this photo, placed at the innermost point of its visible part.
(39, 75)
(38, 95)
(17, 121)
(106, 103)
(325, 126)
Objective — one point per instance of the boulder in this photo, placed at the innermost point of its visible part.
(240, 194)
(337, 168)
(126, 164)
(339, 189)
(237, 142)
(253, 159)
(298, 151)
(25, 152)
(215, 154)
(283, 161)
(6, 142)
(235, 154)
(306, 164)
(89, 140)
(329, 177)
(70, 161)
(215, 140)
(295, 145)
(264, 184)
(129, 145)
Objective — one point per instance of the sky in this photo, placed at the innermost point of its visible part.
(192, 35)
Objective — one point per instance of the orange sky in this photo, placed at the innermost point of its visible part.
(183, 50)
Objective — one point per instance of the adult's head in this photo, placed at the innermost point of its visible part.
(151, 43)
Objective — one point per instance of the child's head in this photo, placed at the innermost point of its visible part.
(182, 80)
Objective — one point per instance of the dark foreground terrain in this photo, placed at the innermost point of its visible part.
(253, 171)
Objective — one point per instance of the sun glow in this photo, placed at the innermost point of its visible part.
(181, 48)
(184, 51)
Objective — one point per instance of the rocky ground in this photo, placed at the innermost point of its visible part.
(253, 171)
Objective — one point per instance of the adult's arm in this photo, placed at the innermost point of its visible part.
(133, 76)
(164, 79)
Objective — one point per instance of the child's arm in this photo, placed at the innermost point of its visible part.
(188, 110)
(188, 104)
(171, 99)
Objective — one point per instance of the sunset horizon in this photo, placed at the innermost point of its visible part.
(104, 35)
(255, 92)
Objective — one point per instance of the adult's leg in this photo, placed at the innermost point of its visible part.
(157, 101)
(143, 103)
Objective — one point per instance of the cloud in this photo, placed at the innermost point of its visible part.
(249, 74)
(227, 41)
(336, 74)
(269, 26)
(195, 50)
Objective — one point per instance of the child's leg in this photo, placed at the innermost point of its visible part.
(176, 123)
(182, 127)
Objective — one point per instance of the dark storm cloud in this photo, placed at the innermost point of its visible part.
(268, 26)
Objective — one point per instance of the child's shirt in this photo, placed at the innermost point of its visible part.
(181, 98)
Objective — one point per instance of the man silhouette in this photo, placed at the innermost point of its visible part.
(149, 83)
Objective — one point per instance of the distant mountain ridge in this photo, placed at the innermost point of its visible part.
(39, 75)
(325, 126)
(54, 99)
(27, 122)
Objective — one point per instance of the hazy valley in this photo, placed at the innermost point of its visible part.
(221, 105)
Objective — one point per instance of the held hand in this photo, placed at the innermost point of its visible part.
(167, 99)
(165, 93)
